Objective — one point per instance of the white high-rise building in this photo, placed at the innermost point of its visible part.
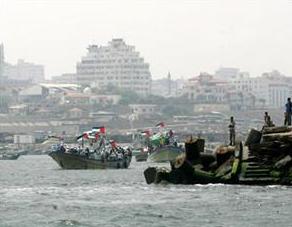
(116, 64)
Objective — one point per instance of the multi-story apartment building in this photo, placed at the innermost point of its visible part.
(207, 92)
(271, 88)
(24, 71)
(117, 64)
(205, 89)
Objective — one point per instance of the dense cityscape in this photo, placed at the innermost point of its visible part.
(113, 86)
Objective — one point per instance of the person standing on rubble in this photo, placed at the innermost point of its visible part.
(288, 112)
(268, 120)
(232, 131)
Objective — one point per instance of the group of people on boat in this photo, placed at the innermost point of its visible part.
(147, 141)
(99, 148)
(106, 153)
(162, 138)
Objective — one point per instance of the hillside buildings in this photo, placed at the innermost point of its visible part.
(210, 94)
(116, 64)
(271, 89)
(22, 73)
(205, 89)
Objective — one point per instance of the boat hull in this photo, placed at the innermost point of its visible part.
(10, 157)
(142, 157)
(72, 161)
(165, 154)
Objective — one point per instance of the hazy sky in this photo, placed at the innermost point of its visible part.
(183, 37)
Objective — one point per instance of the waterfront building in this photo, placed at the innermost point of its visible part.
(103, 116)
(20, 109)
(105, 99)
(33, 94)
(116, 64)
(23, 139)
(143, 109)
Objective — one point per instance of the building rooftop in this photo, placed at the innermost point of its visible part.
(51, 85)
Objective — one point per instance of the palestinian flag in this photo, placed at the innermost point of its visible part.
(84, 135)
(99, 129)
(146, 133)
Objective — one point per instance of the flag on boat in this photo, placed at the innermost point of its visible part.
(99, 129)
(160, 125)
(157, 139)
(79, 137)
(146, 133)
(93, 134)
(89, 135)
(85, 135)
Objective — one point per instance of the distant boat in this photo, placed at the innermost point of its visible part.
(165, 153)
(9, 156)
(76, 161)
(141, 156)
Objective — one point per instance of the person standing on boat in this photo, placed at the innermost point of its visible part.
(62, 148)
(87, 152)
(288, 112)
(161, 140)
(232, 131)
(170, 137)
(113, 147)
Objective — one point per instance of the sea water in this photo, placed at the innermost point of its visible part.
(34, 191)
